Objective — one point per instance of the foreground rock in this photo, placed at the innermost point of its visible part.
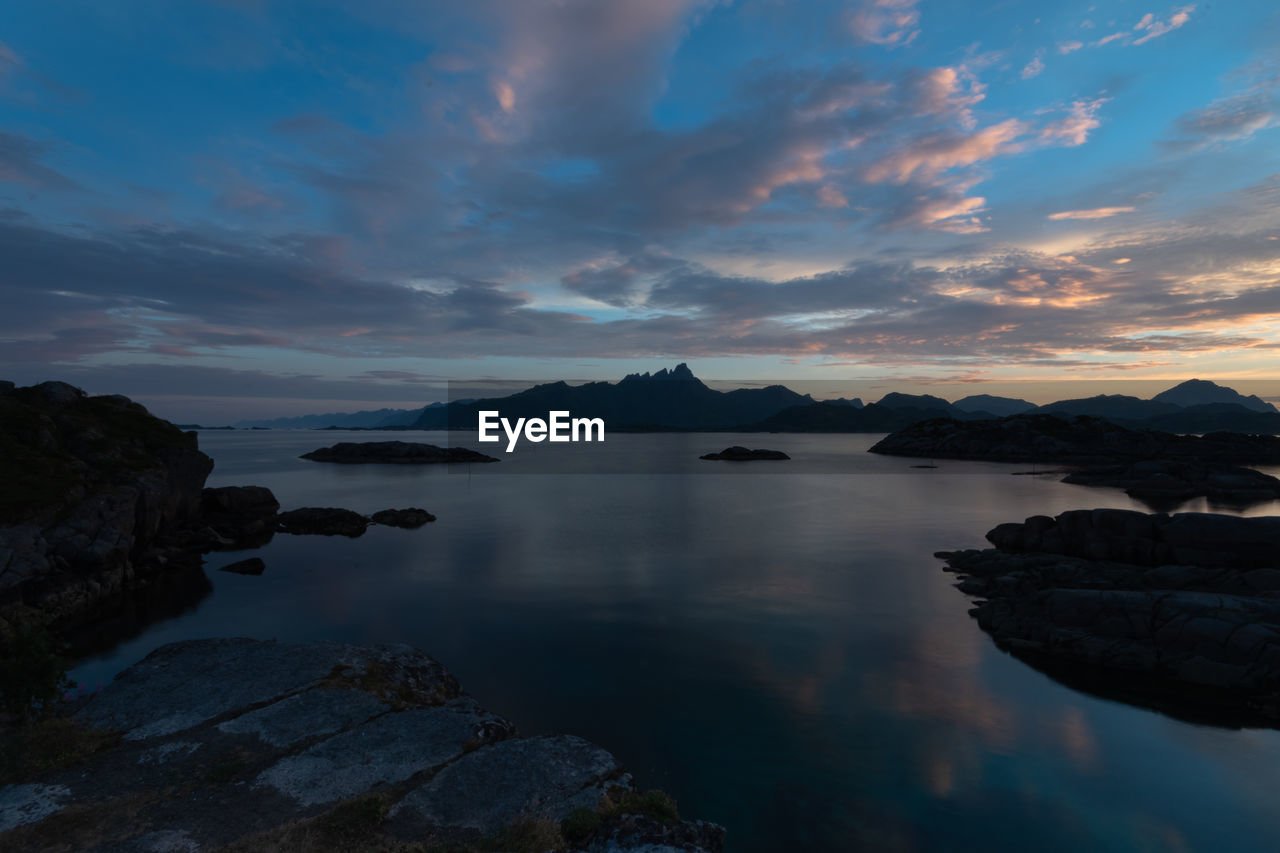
(322, 746)
(1159, 468)
(89, 489)
(1178, 612)
(738, 453)
(394, 452)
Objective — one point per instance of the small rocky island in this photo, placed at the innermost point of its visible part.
(394, 453)
(1160, 468)
(241, 745)
(1176, 612)
(737, 453)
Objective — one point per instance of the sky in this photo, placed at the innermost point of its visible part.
(245, 208)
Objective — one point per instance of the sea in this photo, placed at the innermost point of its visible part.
(773, 643)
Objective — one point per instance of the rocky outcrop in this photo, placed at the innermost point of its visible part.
(1078, 441)
(737, 453)
(1159, 481)
(1180, 612)
(1161, 469)
(410, 518)
(394, 452)
(1190, 538)
(253, 744)
(323, 521)
(89, 489)
(240, 516)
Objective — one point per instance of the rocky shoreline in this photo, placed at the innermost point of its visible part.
(237, 744)
(100, 500)
(1175, 612)
(1162, 469)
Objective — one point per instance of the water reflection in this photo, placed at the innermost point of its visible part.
(782, 653)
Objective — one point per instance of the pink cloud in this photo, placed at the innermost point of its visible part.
(935, 154)
(1073, 129)
(1092, 213)
(888, 22)
(1155, 28)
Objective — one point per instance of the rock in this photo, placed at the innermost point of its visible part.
(394, 452)
(1162, 481)
(1175, 612)
(410, 518)
(325, 521)
(1161, 469)
(546, 777)
(243, 516)
(742, 454)
(89, 489)
(251, 566)
(1080, 440)
(256, 744)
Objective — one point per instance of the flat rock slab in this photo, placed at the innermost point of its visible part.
(388, 749)
(311, 714)
(545, 777)
(237, 741)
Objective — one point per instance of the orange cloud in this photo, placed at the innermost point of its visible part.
(1093, 213)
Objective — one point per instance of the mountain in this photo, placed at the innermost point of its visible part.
(924, 402)
(1110, 406)
(825, 417)
(998, 406)
(1199, 392)
(669, 399)
(357, 420)
(855, 402)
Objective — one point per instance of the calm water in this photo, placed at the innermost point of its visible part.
(775, 646)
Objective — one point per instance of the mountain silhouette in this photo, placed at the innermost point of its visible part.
(998, 406)
(1197, 392)
(675, 399)
(668, 399)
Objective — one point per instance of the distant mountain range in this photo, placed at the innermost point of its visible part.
(669, 399)
(677, 400)
(375, 419)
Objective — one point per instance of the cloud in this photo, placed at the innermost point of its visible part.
(1069, 46)
(20, 158)
(1033, 68)
(1073, 129)
(892, 23)
(1150, 28)
(1230, 119)
(1092, 213)
(936, 153)
(1154, 28)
